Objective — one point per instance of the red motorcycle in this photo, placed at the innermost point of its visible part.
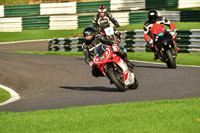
(112, 66)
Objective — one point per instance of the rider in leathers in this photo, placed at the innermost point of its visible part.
(91, 40)
(102, 21)
(154, 18)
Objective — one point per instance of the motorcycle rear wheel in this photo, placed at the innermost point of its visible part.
(171, 63)
(114, 79)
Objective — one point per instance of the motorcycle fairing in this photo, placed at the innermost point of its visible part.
(109, 57)
(128, 76)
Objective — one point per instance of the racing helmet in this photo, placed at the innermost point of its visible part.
(102, 9)
(152, 15)
(89, 34)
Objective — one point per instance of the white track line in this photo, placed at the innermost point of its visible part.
(13, 94)
(3, 43)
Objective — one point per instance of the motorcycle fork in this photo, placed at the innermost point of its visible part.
(117, 71)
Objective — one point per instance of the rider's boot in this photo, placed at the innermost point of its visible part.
(153, 49)
(155, 56)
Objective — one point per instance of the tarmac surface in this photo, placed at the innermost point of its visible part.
(52, 82)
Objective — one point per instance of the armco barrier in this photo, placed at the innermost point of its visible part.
(64, 44)
(126, 5)
(29, 23)
(11, 24)
(87, 7)
(164, 4)
(81, 21)
(22, 10)
(188, 3)
(138, 17)
(58, 8)
(1, 11)
(188, 42)
(63, 22)
(190, 16)
(78, 11)
(173, 16)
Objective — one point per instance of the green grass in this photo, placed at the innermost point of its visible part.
(13, 2)
(49, 34)
(182, 58)
(37, 34)
(4, 95)
(166, 116)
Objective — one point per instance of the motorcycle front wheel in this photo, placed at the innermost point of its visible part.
(114, 79)
(171, 63)
(134, 86)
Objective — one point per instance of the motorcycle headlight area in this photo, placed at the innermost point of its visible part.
(160, 34)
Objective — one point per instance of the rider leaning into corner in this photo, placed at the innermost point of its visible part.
(102, 20)
(91, 40)
(154, 18)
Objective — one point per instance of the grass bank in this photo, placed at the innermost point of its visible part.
(49, 34)
(182, 58)
(4, 95)
(166, 116)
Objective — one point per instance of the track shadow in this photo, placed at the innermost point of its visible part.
(95, 88)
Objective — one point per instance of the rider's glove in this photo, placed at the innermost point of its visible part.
(150, 41)
(91, 64)
(173, 33)
(115, 47)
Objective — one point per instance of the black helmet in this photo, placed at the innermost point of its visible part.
(89, 31)
(153, 15)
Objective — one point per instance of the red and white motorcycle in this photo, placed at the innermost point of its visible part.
(112, 66)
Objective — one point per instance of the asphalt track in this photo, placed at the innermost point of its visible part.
(51, 82)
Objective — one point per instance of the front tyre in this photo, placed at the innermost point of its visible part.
(134, 86)
(171, 62)
(114, 79)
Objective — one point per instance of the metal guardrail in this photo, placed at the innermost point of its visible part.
(188, 3)
(74, 21)
(58, 8)
(11, 24)
(29, 23)
(22, 10)
(88, 7)
(188, 41)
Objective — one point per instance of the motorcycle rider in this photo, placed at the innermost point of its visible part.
(102, 21)
(154, 18)
(91, 40)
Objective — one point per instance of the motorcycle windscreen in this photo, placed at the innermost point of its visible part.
(109, 31)
(157, 29)
(99, 50)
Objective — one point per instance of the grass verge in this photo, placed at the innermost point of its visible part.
(174, 116)
(4, 95)
(48, 34)
(182, 58)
